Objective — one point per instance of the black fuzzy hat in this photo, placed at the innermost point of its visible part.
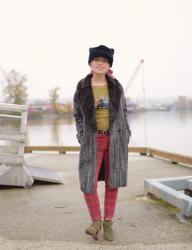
(101, 51)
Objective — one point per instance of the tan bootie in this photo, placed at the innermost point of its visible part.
(108, 230)
(94, 229)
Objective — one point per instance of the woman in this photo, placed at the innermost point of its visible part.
(103, 133)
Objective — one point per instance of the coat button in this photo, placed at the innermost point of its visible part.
(119, 130)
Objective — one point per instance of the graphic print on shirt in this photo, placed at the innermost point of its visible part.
(102, 102)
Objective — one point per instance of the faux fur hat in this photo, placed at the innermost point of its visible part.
(101, 51)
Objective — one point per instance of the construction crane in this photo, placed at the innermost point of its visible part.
(128, 85)
(138, 67)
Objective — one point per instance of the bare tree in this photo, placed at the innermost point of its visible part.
(53, 97)
(14, 89)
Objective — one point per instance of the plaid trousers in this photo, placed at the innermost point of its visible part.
(92, 200)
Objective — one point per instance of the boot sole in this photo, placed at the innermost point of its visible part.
(109, 239)
(95, 237)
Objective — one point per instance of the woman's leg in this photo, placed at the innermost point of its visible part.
(92, 200)
(110, 193)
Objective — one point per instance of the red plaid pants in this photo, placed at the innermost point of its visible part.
(92, 200)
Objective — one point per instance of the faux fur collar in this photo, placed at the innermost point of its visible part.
(86, 99)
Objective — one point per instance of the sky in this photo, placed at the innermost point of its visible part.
(49, 41)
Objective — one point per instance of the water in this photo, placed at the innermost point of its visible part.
(169, 131)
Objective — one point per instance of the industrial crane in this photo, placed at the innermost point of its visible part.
(133, 75)
(129, 108)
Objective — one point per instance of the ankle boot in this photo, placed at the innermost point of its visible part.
(94, 229)
(108, 230)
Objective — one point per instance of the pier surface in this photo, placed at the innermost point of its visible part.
(53, 216)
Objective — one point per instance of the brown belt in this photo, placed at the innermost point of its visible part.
(103, 132)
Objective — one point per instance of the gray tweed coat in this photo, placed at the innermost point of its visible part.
(84, 114)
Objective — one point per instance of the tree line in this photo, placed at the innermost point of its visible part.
(15, 91)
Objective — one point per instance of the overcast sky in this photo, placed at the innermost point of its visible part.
(48, 40)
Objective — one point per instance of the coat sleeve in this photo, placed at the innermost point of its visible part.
(78, 117)
(125, 110)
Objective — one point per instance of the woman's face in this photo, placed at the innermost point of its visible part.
(99, 65)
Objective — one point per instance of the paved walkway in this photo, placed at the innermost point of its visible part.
(51, 216)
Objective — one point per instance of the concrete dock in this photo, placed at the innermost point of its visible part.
(53, 216)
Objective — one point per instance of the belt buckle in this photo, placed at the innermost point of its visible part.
(105, 132)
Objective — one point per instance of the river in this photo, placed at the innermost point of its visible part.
(165, 130)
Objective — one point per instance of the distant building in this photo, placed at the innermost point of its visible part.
(183, 103)
(46, 108)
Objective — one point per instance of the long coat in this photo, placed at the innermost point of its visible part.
(84, 114)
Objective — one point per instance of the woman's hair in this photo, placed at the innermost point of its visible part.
(109, 73)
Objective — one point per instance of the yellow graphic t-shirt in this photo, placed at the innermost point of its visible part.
(101, 100)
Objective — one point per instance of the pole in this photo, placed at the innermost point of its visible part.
(144, 104)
